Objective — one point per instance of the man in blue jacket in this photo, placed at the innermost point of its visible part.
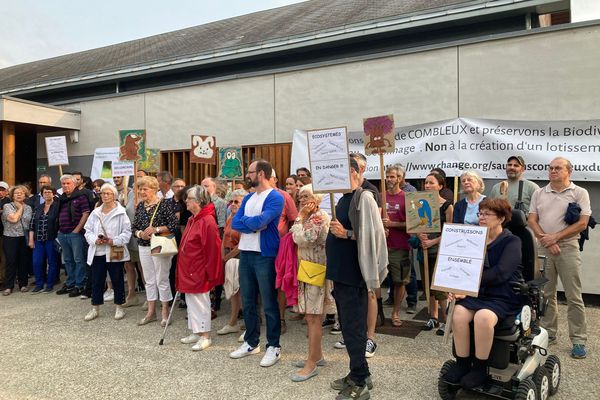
(257, 221)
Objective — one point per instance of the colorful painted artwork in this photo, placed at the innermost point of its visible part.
(132, 145)
(422, 212)
(379, 134)
(151, 162)
(231, 164)
(204, 150)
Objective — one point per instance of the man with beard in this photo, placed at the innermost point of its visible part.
(257, 220)
(509, 189)
(397, 240)
(74, 210)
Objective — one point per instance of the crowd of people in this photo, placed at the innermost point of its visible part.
(263, 247)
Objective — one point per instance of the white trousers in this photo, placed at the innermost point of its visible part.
(156, 274)
(199, 313)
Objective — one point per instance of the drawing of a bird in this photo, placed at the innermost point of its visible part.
(425, 213)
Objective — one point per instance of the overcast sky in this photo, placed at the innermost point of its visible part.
(37, 29)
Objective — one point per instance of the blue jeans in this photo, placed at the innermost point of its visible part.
(98, 278)
(257, 276)
(42, 253)
(74, 255)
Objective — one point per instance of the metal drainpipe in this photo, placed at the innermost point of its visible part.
(117, 87)
(528, 21)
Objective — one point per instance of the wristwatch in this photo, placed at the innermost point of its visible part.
(349, 233)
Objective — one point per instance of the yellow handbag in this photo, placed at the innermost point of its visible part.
(311, 273)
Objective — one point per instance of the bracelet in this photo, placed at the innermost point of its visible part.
(138, 234)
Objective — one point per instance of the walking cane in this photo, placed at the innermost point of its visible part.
(162, 339)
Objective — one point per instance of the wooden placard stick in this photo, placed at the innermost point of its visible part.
(426, 283)
(135, 192)
(455, 189)
(332, 203)
(60, 171)
(383, 191)
(449, 316)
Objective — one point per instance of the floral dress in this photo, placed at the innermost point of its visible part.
(310, 237)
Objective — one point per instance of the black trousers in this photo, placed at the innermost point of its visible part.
(352, 307)
(15, 251)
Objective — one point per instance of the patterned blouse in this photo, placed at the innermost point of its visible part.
(310, 237)
(18, 228)
(165, 216)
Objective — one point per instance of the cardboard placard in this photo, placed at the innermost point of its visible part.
(204, 150)
(379, 134)
(329, 160)
(122, 168)
(56, 151)
(422, 212)
(459, 264)
(132, 145)
(151, 163)
(231, 165)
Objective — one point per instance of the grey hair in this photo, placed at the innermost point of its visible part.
(309, 188)
(46, 176)
(66, 177)
(199, 194)
(111, 187)
(238, 193)
(569, 165)
(398, 168)
(475, 175)
(360, 159)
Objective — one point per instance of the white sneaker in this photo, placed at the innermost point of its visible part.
(193, 338)
(93, 314)
(339, 345)
(244, 350)
(109, 295)
(228, 329)
(119, 313)
(202, 344)
(241, 337)
(271, 356)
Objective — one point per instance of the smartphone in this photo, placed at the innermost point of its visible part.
(101, 236)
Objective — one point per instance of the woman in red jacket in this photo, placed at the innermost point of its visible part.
(199, 266)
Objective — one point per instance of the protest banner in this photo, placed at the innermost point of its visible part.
(123, 168)
(132, 145)
(459, 264)
(231, 164)
(481, 145)
(204, 150)
(56, 151)
(423, 216)
(379, 139)
(329, 161)
(151, 164)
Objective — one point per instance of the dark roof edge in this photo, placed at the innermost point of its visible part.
(434, 16)
(368, 57)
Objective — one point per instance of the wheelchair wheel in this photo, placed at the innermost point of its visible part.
(445, 389)
(552, 365)
(526, 390)
(541, 378)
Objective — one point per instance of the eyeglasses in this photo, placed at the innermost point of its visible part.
(551, 168)
(236, 202)
(251, 172)
(485, 214)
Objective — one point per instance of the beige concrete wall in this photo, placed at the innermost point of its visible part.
(551, 76)
(236, 112)
(416, 88)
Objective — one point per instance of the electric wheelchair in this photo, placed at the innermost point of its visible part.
(519, 366)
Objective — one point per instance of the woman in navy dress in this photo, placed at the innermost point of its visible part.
(496, 299)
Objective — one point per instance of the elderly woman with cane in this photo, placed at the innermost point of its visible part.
(153, 216)
(199, 265)
(107, 232)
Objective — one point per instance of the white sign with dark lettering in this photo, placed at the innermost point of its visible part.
(329, 161)
(460, 259)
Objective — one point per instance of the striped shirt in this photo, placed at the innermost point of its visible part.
(80, 207)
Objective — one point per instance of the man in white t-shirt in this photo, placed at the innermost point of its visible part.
(257, 220)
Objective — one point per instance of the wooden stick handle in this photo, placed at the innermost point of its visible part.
(449, 321)
(426, 277)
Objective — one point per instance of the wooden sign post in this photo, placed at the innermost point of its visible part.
(459, 264)
(423, 216)
(329, 162)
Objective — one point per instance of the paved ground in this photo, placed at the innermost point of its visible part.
(49, 352)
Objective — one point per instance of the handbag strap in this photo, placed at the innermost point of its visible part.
(154, 213)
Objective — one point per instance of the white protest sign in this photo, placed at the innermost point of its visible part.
(460, 259)
(56, 151)
(104, 157)
(482, 145)
(123, 168)
(329, 161)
